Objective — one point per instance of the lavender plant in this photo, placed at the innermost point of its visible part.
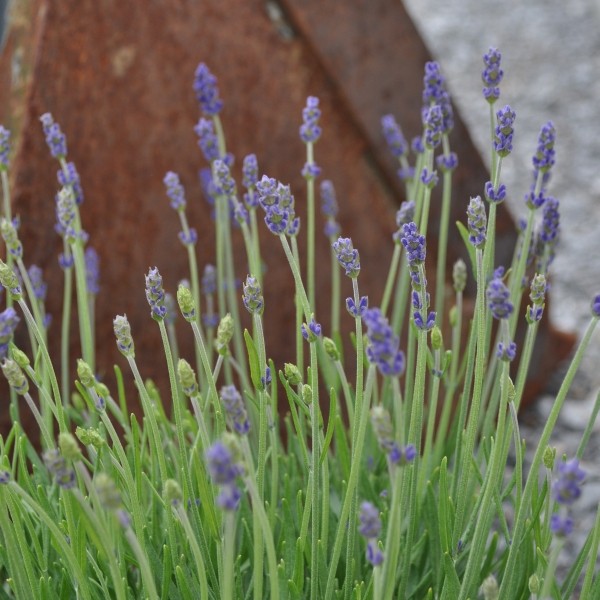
(237, 482)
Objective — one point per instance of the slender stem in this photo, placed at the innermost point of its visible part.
(315, 455)
(389, 284)
(228, 555)
(310, 222)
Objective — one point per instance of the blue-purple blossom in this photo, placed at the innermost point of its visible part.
(561, 525)
(310, 130)
(543, 159)
(235, 409)
(207, 92)
(357, 311)
(278, 203)
(492, 75)
(495, 195)
(567, 486)
(71, 178)
(252, 297)
(477, 222)
(503, 135)
(55, 138)
(498, 296)
(249, 171)
(347, 256)
(8, 323)
(447, 162)
(404, 215)
(222, 179)
(370, 528)
(10, 237)
(92, 271)
(329, 208)
(155, 294)
(429, 179)
(65, 213)
(189, 237)
(56, 464)
(208, 283)
(311, 331)
(38, 284)
(393, 136)
(383, 345)
(384, 431)
(433, 123)
(434, 92)
(175, 191)
(310, 170)
(550, 220)
(596, 306)
(207, 139)
(506, 351)
(414, 243)
(224, 472)
(417, 145)
(4, 147)
(537, 296)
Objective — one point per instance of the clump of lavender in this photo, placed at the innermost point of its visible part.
(383, 349)
(492, 75)
(206, 90)
(370, 529)
(224, 470)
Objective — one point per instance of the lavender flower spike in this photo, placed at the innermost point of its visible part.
(393, 136)
(207, 92)
(224, 471)
(175, 191)
(235, 409)
(155, 294)
(414, 243)
(253, 299)
(4, 147)
(8, 323)
(92, 271)
(122, 331)
(347, 256)
(492, 75)
(498, 296)
(477, 222)
(250, 171)
(504, 131)
(543, 159)
(370, 528)
(55, 138)
(207, 139)
(383, 348)
(310, 130)
(71, 179)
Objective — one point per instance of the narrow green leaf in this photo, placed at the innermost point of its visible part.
(330, 424)
(253, 362)
(464, 233)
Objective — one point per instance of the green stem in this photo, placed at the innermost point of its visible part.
(228, 555)
(310, 228)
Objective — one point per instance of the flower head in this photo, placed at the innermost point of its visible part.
(122, 331)
(543, 159)
(503, 135)
(235, 409)
(393, 136)
(207, 139)
(310, 130)
(433, 122)
(92, 270)
(370, 528)
(155, 294)
(175, 190)
(70, 177)
(567, 486)
(11, 239)
(347, 256)
(250, 171)
(252, 298)
(492, 75)
(596, 306)
(498, 296)
(414, 243)
(383, 347)
(55, 138)
(550, 220)
(477, 222)
(224, 471)
(207, 92)
(4, 147)
(9, 280)
(15, 376)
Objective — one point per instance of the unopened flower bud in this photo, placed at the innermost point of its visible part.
(9, 281)
(172, 492)
(69, 447)
(224, 334)
(459, 275)
(20, 357)
(186, 303)
(187, 378)
(108, 493)
(292, 374)
(534, 584)
(548, 457)
(489, 587)
(85, 374)
(15, 377)
(307, 394)
(331, 348)
(436, 338)
(89, 437)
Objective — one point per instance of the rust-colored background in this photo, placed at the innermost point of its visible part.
(118, 77)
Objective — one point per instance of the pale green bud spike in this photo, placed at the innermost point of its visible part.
(436, 338)
(9, 281)
(172, 492)
(15, 377)
(224, 334)
(489, 587)
(20, 357)
(89, 437)
(85, 374)
(185, 299)
(9, 234)
(69, 447)
(459, 275)
(187, 378)
(307, 394)
(331, 348)
(292, 374)
(549, 457)
(122, 331)
(109, 495)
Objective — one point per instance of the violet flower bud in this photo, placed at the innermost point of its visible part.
(206, 90)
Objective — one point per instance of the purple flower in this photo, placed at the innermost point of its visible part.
(543, 159)
(189, 238)
(310, 130)
(311, 331)
(278, 204)
(175, 191)
(310, 170)
(252, 298)
(383, 347)
(492, 75)
(550, 220)
(477, 222)
(504, 132)
(207, 139)
(329, 206)
(417, 145)
(434, 92)
(235, 409)
(37, 282)
(447, 162)
(224, 184)
(567, 487)
(537, 295)
(71, 178)
(596, 306)
(207, 93)
(92, 270)
(393, 136)
(404, 215)
(122, 331)
(561, 525)
(506, 351)
(370, 523)
(347, 256)
(498, 296)
(8, 323)
(494, 195)
(55, 138)
(433, 123)
(57, 466)
(155, 294)
(249, 171)
(209, 280)
(4, 147)
(357, 311)
(414, 243)
(224, 471)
